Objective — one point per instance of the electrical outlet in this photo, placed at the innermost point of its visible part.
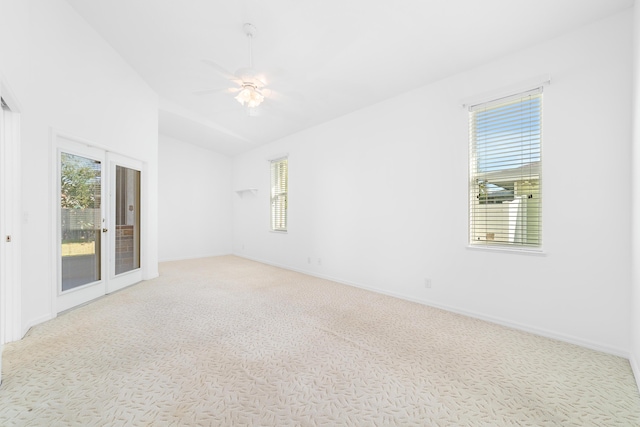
(309, 260)
(427, 283)
(319, 261)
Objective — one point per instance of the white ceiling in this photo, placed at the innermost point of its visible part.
(320, 59)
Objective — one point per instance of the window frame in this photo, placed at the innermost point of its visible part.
(476, 210)
(278, 225)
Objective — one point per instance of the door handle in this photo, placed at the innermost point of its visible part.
(104, 230)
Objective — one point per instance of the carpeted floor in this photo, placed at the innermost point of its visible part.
(229, 342)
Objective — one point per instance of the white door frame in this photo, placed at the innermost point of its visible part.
(10, 200)
(110, 282)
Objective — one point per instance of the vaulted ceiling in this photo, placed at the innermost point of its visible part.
(319, 59)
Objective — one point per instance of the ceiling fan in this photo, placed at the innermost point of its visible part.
(250, 86)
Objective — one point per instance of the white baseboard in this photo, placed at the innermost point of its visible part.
(533, 330)
(152, 276)
(493, 319)
(504, 322)
(636, 370)
(184, 258)
(33, 322)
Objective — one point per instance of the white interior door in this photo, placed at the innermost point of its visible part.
(98, 231)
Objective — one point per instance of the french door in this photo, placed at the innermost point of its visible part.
(98, 224)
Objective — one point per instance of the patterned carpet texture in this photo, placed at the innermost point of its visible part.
(226, 341)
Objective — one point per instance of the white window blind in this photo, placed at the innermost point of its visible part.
(505, 171)
(279, 194)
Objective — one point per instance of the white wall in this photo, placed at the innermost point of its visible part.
(66, 78)
(380, 196)
(635, 179)
(194, 201)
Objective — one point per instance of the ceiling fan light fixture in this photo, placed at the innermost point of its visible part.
(249, 96)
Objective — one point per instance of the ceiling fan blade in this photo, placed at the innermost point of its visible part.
(210, 91)
(221, 71)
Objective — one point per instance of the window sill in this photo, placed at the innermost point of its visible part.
(506, 249)
(278, 231)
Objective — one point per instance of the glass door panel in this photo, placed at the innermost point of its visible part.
(127, 216)
(125, 194)
(80, 220)
(98, 222)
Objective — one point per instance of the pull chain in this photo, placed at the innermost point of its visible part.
(250, 51)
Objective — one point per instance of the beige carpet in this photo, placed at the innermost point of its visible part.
(230, 342)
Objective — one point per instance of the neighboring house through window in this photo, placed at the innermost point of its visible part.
(505, 171)
(279, 193)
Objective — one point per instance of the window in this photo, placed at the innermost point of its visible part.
(279, 194)
(505, 203)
